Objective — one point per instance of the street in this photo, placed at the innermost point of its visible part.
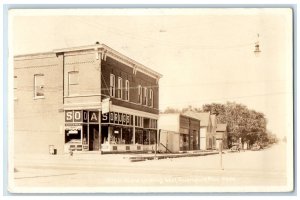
(241, 169)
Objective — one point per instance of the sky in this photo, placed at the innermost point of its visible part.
(205, 55)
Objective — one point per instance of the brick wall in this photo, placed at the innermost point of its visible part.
(111, 66)
(38, 122)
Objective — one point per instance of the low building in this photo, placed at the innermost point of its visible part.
(178, 132)
(206, 128)
(221, 134)
(86, 98)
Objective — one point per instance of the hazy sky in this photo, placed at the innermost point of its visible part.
(205, 56)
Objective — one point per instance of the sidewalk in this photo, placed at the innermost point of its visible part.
(95, 157)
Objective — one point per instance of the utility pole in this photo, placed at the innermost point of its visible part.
(221, 152)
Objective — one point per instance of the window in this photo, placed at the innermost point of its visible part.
(15, 87)
(127, 90)
(139, 121)
(112, 85)
(145, 96)
(140, 97)
(151, 98)
(38, 85)
(119, 88)
(73, 82)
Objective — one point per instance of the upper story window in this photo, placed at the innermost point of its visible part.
(119, 91)
(140, 93)
(73, 82)
(127, 90)
(112, 85)
(15, 86)
(39, 86)
(145, 96)
(151, 98)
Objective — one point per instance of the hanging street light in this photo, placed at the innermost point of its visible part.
(257, 50)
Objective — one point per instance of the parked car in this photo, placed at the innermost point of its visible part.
(256, 147)
(235, 148)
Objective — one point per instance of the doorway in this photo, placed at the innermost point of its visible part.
(104, 134)
(94, 137)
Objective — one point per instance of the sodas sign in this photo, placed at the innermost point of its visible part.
(76, 116)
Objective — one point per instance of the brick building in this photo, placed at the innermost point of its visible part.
(84, 98)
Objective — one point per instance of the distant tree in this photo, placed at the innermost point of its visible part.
(171, 110)
(249, 125)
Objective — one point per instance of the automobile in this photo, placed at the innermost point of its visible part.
(256, 147)
(234, 148)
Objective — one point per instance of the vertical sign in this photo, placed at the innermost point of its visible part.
(116, 118)
(93, 116)
(69, 116)
(120, 118)
(111, 117)
(85, 116)
(77, 115)
(105, 118)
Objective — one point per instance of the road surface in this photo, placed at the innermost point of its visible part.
(244, 169)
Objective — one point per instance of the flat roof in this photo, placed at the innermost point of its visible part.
(100, 47)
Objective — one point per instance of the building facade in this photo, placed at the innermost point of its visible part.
(86, 98)
(206, 129)
(221, 135)
(178, 132)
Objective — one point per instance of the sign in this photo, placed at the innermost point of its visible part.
(105, 118)
(69, 116)
(75, 116)
(105, 105)
(116, 118)
(93, 116)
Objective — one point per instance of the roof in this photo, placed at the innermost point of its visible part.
(107, 51)
(202, 116)
(221, 127)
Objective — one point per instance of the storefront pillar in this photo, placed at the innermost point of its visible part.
(133, 129)
(100, 132)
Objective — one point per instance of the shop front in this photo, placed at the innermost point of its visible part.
(119, 131)
(127, 132)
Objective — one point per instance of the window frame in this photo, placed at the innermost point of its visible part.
(35, 96)
(120, 88)
(127, 87)
(140, 94)
(112, 85)
(151, 97)
(145, 96)
(69, 78)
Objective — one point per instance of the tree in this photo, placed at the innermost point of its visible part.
(171, 110)
(249, 125)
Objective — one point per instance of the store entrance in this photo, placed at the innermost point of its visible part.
(94, 137)
(104, 133)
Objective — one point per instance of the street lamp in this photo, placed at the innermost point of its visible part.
(257, 50)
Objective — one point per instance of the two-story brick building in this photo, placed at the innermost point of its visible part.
(83, 99)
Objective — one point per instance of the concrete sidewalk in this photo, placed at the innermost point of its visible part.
(143, 157)
(93, 157)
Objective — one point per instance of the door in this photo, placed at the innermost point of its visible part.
(94, 137)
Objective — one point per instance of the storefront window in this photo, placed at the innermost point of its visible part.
(146, 137)
(152, 137)
(139, 136)
(116, 136)
(84, 135)
(73, 135)
(127, 135)
(184, 142)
